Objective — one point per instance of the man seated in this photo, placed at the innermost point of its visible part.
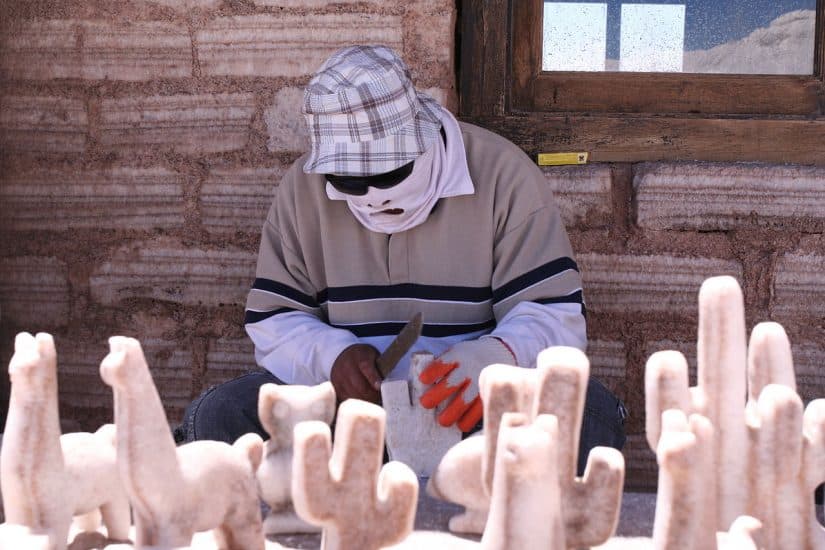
(398, 208)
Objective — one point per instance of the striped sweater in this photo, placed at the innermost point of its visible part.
(495, 262)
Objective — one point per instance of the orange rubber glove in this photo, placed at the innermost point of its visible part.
(455, 374)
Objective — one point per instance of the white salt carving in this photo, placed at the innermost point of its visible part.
(17, 536)
(414, 435)
(280, 409)
(764, 456)
(517, 479)
(201, 541)
(176, 492)
(525, 509)
(685, 509)
(358, 503)
(48, 478)
(744, 534)
(458, 479)
(591, 503)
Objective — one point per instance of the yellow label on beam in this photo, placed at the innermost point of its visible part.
(558, 159)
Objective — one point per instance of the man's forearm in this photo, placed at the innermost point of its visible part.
(297, 346)
(530, 327)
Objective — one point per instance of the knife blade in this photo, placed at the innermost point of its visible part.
(398, 347)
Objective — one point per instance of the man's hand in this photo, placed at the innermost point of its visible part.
(455, 373)
(355, 375)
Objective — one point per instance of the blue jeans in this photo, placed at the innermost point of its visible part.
(229, 410)
(226, 411)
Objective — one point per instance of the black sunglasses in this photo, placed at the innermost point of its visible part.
(359, 185)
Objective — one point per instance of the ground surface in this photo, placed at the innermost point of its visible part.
(633, 532)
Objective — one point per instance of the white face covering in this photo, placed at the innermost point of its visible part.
(440, 172)
(400, 207)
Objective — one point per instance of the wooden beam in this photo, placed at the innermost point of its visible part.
(677, 93)
(630, 138)
(482, 70)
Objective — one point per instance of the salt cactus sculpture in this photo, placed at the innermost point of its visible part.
(764, 449)
(48, 478)
(558, 385)
(525, 511)
(786, 464)
(590, 503)
(176, 492)
(685, 510)
(280, 409)
(359, 504)
(718, 396)
(414, 435)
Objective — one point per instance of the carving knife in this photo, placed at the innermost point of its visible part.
(398, 347)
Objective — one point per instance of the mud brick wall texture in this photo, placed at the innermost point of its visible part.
(141, 143)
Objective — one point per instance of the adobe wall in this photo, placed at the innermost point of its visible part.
(141, 143)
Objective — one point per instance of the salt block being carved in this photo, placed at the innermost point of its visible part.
(414, 435)
(768, 456)
(280, 409)
(558, 385)
(359, 504)
(685, 507)
(176, 492)
(526, 509)
(48, 478)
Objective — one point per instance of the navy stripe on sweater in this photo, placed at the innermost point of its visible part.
(535, 276)
(287, 292)
(430, 330)
(574, 298)
(258, 316)
(434, 293)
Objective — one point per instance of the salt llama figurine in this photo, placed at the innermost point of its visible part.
(360, 504)
(591, 503)
(48, 478)
(767, 454)
(280, 409)
(176, 492)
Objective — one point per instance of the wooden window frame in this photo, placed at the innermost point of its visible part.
(630, 117)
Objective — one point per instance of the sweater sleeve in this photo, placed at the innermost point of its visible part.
(537, 287)
(283, 317)
(530, 327)
(297, 347)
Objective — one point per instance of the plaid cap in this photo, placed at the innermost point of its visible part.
(364, 115)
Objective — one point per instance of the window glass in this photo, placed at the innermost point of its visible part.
(692, 36)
